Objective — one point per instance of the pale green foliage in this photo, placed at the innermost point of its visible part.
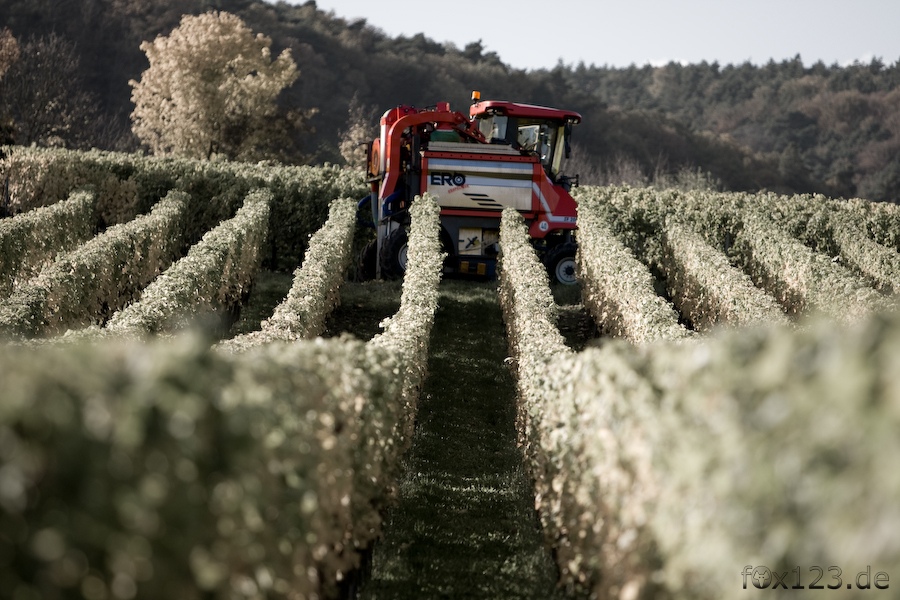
(200, 472)
(407, 333)
(677, 464)
(233, 474)
(761, 440)
(29, 240)
(210, 89)
(662, 469)
(618, 288)
(129, 184)
(882, 220)
(580, 474)
(811, 252)
(316, 287)
(699, 277)
(706, 288)
(39, 177)
(9, 50)
(580, 470)
(85, 285)
(213, 276)
(801, 279)
(857, 248)
(524, 286)
(362, 127)
(541, 358)
(791, 246)
(603, 486)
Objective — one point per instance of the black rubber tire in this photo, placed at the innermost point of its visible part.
(393, 254)
(367, 262)
(560, 263)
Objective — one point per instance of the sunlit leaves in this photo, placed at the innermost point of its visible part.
(619, 288)
(82, 286)
(659, 466)
(211, 277)
(210, 89)
(30, 239)
(316, 287)
(236, 474)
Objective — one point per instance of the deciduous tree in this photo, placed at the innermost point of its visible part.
(9, 50)
(362, 126)
(9, 54)
(211, 90)
(43, 97)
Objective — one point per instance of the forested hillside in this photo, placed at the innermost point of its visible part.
(781, 126)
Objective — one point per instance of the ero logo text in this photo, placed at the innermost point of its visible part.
(444, 178)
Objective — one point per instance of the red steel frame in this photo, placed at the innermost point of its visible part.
(553, 208)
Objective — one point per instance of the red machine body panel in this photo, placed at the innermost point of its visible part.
(503, 154)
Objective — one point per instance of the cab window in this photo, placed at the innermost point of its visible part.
(542, 138)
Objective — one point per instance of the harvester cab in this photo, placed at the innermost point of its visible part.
(502, 154)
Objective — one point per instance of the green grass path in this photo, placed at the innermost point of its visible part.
(464, 525)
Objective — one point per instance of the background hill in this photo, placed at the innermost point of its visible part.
(781, 126)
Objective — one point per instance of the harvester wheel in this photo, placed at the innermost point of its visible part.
(560, 263)
(393, 254)
(366, 262)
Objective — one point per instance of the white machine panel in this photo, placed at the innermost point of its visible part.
(479, 184)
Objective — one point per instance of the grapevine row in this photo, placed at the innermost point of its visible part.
(590, 470)
(87, 284)
(618, 288)
(876, 261)
(663, 469)
(541, 360)
(165, 468)
(800, 278)
(406, 334)
(316, 285)
(29, 240)
(712, 249)
(706, 288)
(215, 274)
(128, 185)
(187, 471)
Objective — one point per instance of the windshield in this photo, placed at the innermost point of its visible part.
(543, 137)
(493, 128)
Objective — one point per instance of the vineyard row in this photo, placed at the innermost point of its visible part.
(734, 259)
(87, 284)
(662, 469)
(128, 185)
(215, 274)
(315, 290)
(166, 468)
(31, 239)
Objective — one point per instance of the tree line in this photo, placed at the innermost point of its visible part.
(782, 126)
